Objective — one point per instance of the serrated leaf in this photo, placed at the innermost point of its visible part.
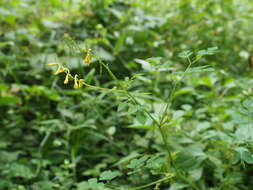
(137, 163)
(91, 184)
(155, 162)
(109, 175)
(126, 159)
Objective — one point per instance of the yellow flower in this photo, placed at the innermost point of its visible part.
(66, 79)
(60, 69)
(87, 58)
(76, 82)
(80, 83)
(67, 76)
(51, 64)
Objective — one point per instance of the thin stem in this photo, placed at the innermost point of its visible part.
(153, 183)
(100, 88)
(171, 96)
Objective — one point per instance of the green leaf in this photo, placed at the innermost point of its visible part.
(178, 114)
(181, 91)
(127, 158)
(84, 185)
(177, 186)
(208, 51)
(9, 100)
(10, 156)
(109, 175)
(3, 44)
(20, 170)
(205, 68)
(200, 69)
(122, 106)
(155, 162)
(91, 184)
(212, 50)
(3, 87)
(147, 127)
(133, 109)
(247, 157)
(248, 104)
(243, 154)
(137, 163)
(120, 43)
(154, 60)
(187, 162)
(196, 174)
(185, 54)
(141, 117)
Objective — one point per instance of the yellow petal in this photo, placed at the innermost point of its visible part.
(76, 82)
(76, 86)
(66, 79)
(59, 70)
(87, 58)
(80, 83)
(51, 64)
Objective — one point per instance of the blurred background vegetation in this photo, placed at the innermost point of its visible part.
(55, 137)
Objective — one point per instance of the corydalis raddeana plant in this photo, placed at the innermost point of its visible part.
(78, 83)
(135, 106)
(87, 57)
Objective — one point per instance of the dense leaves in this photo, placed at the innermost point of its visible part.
(184, 63)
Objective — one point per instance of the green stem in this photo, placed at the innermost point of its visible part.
(153, 183)
(165, 142)
(171, 96)
(158, 124)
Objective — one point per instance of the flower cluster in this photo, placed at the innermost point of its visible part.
(78, 83)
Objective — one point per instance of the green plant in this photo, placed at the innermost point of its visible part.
(135, 107)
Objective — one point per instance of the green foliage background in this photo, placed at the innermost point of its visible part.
(55, 137)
